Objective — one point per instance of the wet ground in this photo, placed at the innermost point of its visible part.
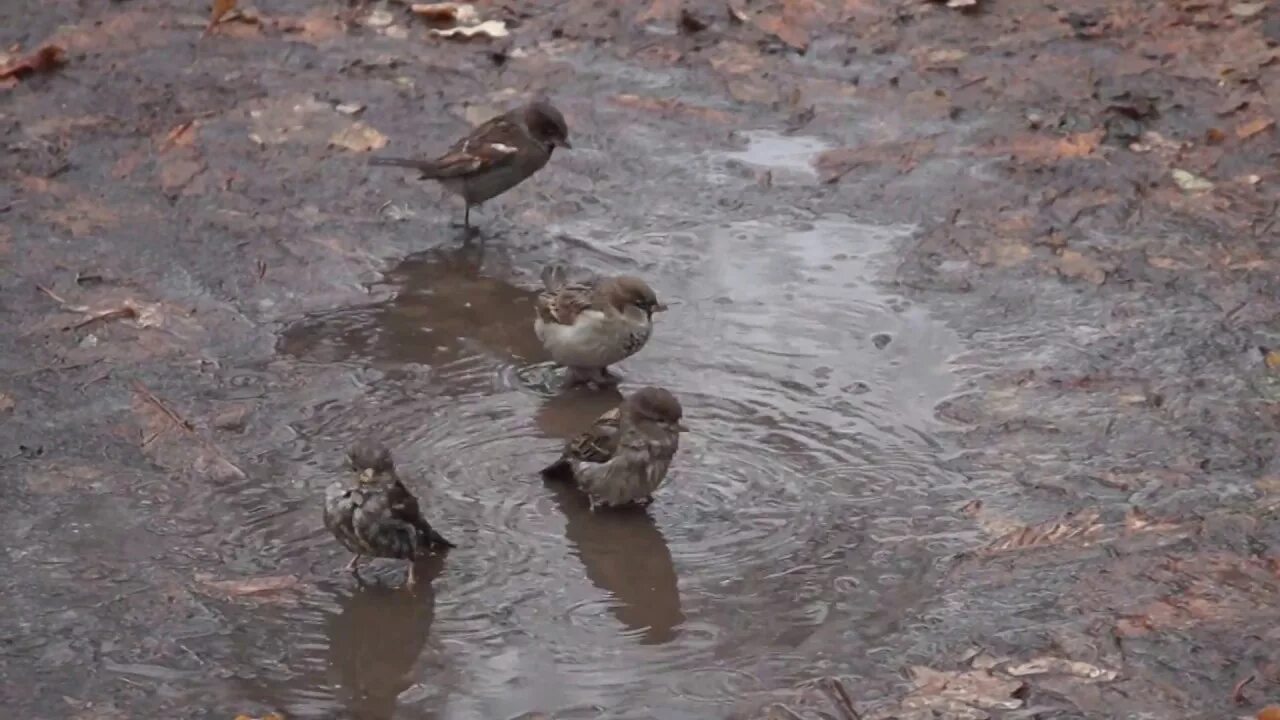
(980, 423)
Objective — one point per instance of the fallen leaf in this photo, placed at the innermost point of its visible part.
(178, 172)
(786, 31)
(446, 13)
(242, 587)
(219, 11)
(1272, 359)
(359, 137)
(1083, 526)
(1191, 183)
(490, 28)
(1248, 9)
(183, 135)
(945, 56)
(978, 688)
(1254, 126)
(45, 59)
(1073, 264)
(1043, 665)
(378, 18)
(1214, 136)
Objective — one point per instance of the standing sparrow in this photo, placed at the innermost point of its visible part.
(624, 456)
(496, 156)
(589, 326)
(386, 520)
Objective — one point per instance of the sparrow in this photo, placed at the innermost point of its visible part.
(589, 326)
(496, 156)
(624, 456)
(385, 519)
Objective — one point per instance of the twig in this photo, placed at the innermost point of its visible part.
(124, 312)
(151, 398)
(1237, 692)
(56, 297)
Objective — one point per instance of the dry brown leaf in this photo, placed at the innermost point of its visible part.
(976, 688)
(358, 137)
(1272, 359)
(785, 29)
(177, 173)
(183, 135)
(1073, 264)
(1254, 126)
(219, 11)
(45, 59)
(660, 10)
(1084, 526)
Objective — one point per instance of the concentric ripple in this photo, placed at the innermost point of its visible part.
(804, 513)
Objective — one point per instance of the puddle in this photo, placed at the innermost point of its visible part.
(802, 518)
(774, 150)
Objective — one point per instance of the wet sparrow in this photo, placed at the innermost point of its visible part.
(624, 456)
(496, 156)
(589, 326)
(386, 520)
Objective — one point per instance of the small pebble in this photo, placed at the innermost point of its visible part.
(881, 340)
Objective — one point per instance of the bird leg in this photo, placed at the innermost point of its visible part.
(466, 217)
(353, 566)
(413, 577)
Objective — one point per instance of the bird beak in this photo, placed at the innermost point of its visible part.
(366, 476)
(564, 143)
(659, 308)
(682, 427)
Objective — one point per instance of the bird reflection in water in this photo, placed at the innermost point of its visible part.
(376, 640)
(622, 550)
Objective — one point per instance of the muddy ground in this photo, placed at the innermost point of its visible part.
(971, 311)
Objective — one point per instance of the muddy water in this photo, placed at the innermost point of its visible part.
(801, 524)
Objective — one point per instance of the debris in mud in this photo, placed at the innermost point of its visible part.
(692, 23)
(446, 13)
(1190, 182)
(268, 588)
(6, 403)
(1060, 666)
(1252, 127)
(219, 12)
(268, 716)
(953, 692)
(490, 29)
(358, 137)
(827, 696)
(49, 57)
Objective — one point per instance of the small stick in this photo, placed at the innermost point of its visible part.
(124, 312)
(151, 398)
(1237, 692)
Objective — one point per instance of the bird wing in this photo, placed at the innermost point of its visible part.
(383, 534)
(404, 507)
(563, 305)
(489, 147)
(599, 442)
